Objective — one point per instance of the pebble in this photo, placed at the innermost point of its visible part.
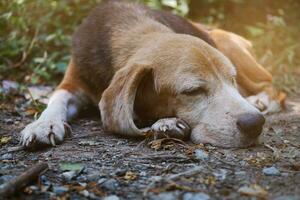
(83, 178)
(240, 173)
(68, 176)
(94, 176)
(44, 180)
(9, 121)
(102, 180)
(6, 178)
(110, 184)
(34, 158)
(10, 87)
(143, 173)
(120, 172)
(220, 174)
(201, 155)
(165, 196)
(271, 171)
(82, 184)
(59, 190)
(7, 156)
(286, 198)
(84, 193)
(195, 196)
(111, 197)
(285, 174)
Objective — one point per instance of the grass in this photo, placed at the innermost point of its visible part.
(35, 35)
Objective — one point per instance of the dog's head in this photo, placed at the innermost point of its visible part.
(184, 77)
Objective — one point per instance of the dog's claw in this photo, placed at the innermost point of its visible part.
(181, 125)
(172, 127)
(68, 129)
(41, 133)
(52, 139)
(163, 128)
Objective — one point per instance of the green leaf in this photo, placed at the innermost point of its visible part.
(71, 166)
(61, 67)
(255, 31)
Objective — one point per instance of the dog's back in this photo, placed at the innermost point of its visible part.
(112, 23)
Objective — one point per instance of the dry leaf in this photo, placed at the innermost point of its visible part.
(5, 140)
(254, 190)
(156, 144)
(130, 176)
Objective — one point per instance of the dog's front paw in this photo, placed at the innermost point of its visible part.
(172, 127)
(43, 132)
(264, 104)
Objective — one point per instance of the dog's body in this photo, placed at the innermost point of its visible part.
(143, 66)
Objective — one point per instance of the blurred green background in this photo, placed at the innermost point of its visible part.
(35, 35)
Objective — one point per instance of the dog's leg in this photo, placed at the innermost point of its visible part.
(52, 125)
(172, 127)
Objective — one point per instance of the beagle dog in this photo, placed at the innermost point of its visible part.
(153, 71)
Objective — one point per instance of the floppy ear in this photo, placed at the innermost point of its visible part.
(117, 102)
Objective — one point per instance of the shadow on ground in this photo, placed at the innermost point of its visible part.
(94, 165)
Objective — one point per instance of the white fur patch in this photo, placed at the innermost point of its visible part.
(50, 127)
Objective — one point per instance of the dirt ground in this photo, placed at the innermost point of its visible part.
(93, 164)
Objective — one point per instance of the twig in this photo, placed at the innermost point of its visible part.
(23, 180)
(27, 52)
(13, 149)
(31, 97)
(170, 178)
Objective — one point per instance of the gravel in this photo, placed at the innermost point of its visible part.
(271, 171)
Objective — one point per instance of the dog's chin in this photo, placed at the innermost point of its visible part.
(224, 142)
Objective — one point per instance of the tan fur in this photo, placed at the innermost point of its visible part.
(252, 78)
(150, 73)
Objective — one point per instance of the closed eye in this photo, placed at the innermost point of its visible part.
(195, 91)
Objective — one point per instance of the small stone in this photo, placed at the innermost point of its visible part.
(286, 198)
(111, 197)
(7, 156)
(120, 172)
(68, 176)
(82, 178)
(44, 180)
(195, 196)
(143, 173)
(94, 176)
(102, 180)
(240, 173)
(10, 87)
(8, 121)
(110, 184)
(201, 155)
(285, 174)
(82, 184)
(253, 190)
(271, 171)
(34, 158)
(220, 174)
(84, 193)
(59, 190)
(165, 196)
(6, 178)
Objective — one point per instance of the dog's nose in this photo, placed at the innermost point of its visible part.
(251, 124)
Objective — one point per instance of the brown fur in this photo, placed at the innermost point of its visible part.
(123, 54)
